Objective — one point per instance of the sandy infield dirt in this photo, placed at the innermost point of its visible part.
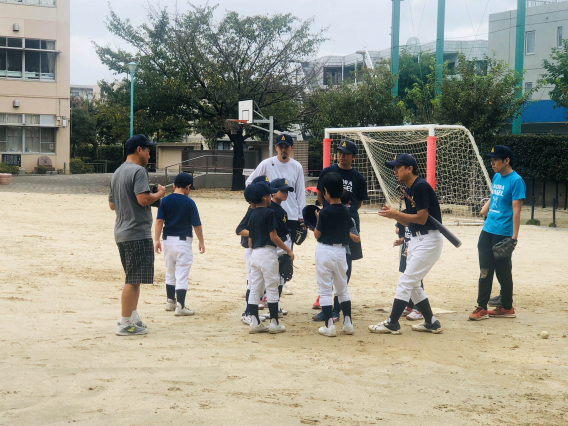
(61, 363)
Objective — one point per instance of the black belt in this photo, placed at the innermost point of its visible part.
(416, 233)
(183, 237)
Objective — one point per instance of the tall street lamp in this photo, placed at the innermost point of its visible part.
(132, 67)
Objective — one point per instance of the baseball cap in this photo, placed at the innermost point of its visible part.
(281, 185)
(138, 140)
(184, 179)
(500, 151)
(284, 138)
(261, 179)
(402, 160)
(256, 191)
(347, 147)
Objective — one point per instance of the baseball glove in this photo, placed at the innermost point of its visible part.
(285, 267)
(504, 248)
(309, 214)
(153, 190)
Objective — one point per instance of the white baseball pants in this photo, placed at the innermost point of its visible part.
(178, 255)
(331, 272)
(423, 252)
(248, 252)
(263, 274)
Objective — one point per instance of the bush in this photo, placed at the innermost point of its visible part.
(77, 167)
(41, 170)
(533, 222)
(113, 153)
(4, 168)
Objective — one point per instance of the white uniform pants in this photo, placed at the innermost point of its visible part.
(178, 256)
(248, 252)
(331, 272)
(263, 274)
(423, 252)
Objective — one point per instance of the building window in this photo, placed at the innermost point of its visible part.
(27, 135)
(559, 37)
(50, 3)
(223, 145)
(528, 88)
(31, 59)
(529, 42)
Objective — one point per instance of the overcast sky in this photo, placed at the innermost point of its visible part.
(352, 25)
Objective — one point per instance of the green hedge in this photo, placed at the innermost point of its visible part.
(77, 167)
(4, 168)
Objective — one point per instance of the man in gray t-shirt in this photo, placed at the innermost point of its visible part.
(130, 197)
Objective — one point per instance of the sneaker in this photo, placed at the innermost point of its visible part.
(479, 314)
(260, 306)
(435, 327)
(319, 316)
(385, 327)
(275, 329)
(135, 318)
(316, 305)
(495, 301)
(281, 313)
(501, 312)
(335, 316)
(286, 290)
(246, 319)
(348, 328)
(259, 328)
(414, 315)
(182, 312)
(130, 330)
(170, 305)
(328, 331)
(406, 311)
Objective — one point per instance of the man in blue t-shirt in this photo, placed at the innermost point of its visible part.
(177, 215)
(503, 212)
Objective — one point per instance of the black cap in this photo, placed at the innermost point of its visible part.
(402, 160)
(500, 151)
(138, 140)
(256, 191)
(348, 147)
(261, 179)
(281, 185)
(284, 138)
(184, 179)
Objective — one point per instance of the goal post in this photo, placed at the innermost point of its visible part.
(447, 157)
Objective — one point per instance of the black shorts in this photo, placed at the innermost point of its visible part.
(137, 259)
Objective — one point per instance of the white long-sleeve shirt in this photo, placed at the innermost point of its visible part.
(293, 172)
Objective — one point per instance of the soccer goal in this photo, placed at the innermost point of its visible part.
(447, 158)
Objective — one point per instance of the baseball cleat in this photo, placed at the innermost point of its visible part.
(501, 312)
(286, 291)
(245, 319)
(130, 330)
(479, 314)
(170, 305)
(348, 329)
(495, 301)
(415, 315)
(435, 327)
(316, 304)
(406, 311)
(328, 331)
(260, 306)
(281, 313)
(275, 329)
(259, 328)
(385, 327)
(182, 312)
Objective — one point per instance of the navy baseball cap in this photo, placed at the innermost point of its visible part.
(348, 147)
(284, 138)
(256, 191)
(402, 160)
(500, 151)
(138, 140)
(184, 179)
(281, 185)
(261, 179)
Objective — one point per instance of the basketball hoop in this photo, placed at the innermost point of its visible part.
(233, 124)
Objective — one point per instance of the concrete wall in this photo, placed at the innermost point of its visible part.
(218, 180)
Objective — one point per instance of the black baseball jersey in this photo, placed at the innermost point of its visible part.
(244, 225)
(334, 224)
(283, 231)
(423, 197)
(261, 223)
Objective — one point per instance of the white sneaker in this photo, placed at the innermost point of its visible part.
(328, 331)
(286, 291)
(170, 305)
(385, 327)
(182, 312)
(275, 329)
(259, 328)
(135, 318)
(129, 330)
(348, 328)
(260, 306)
(415, 315)
(281, 313)
(406, 311)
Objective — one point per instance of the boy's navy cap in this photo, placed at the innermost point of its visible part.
(284, 138)
(256, 191)
(184, 179)
(281, 185)
(138, 140)
(500, 151)
(261, 179)
(347, 147)
(402, 160)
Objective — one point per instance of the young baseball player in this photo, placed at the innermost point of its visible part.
(424, 248)
(177, 215)
(503, 211)
(404, 235)
(332, 233)
(263, 240)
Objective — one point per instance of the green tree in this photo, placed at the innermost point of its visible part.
(557, 75)
(204, 68)
(83, 124)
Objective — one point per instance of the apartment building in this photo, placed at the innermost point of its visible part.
(35, 82)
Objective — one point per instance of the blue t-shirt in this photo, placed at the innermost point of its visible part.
(504, 190)
(179, 214)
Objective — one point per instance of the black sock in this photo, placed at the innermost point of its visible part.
(397, 310)
(247, 312)
(336, 305)
(181, 297)
(410, 304)
(273, 309)
(425, 310)
(171, 292)
(280, 290)
(327, 313)
(346, 308)
(253, 309)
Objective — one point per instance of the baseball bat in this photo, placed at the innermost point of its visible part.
(443, 230)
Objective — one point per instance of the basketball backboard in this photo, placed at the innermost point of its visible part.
(246, 111)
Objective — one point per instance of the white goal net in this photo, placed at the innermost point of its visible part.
(462, 182)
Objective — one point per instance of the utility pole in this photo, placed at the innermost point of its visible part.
(395, 43)
(440, 45)
(519, 56)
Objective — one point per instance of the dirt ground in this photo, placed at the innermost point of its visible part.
(61, 363)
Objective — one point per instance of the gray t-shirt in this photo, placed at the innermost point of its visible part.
(133, 222)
